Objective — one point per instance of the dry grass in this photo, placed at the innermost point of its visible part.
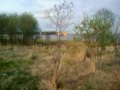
(75, 74)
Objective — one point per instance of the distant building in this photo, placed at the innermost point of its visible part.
(52, 35)
(64, 34)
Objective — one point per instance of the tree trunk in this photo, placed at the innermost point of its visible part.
(12, 40)
(56, 69)
(55, 76)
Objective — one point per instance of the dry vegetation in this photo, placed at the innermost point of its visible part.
(75, 73)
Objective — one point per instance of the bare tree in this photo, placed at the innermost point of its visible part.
(59, 16)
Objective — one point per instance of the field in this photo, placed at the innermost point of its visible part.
(30, 68)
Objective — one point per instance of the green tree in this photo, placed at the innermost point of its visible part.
(29, 26)
(88, 36)
(3, 23)
(85, 31)
(3, 27)
(12, 27)
(102, 24)
(96, 31)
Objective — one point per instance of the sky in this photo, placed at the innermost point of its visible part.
(37, 8)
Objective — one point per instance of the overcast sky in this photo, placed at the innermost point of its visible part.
(36, 7)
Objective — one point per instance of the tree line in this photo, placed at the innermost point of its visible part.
(18, 28)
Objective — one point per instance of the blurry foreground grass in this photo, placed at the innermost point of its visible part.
(14, 73)
(31, 68)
